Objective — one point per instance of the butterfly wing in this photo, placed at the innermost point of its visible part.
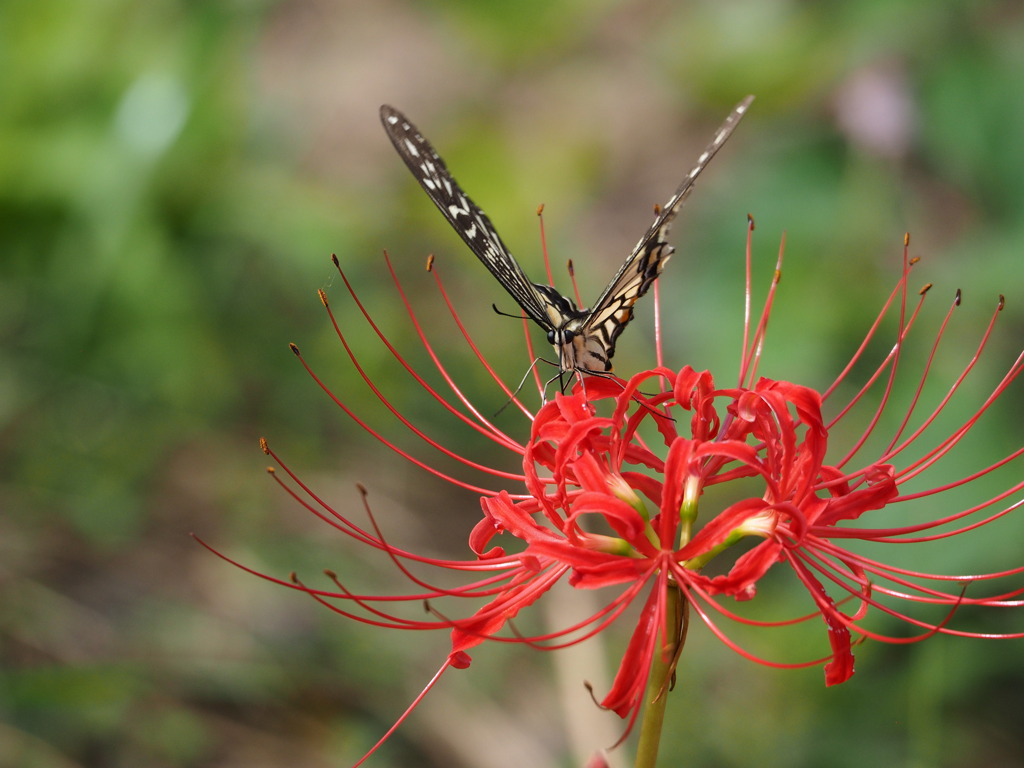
(465, 216)
(614, 307)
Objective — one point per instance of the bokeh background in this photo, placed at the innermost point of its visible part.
(173, 178)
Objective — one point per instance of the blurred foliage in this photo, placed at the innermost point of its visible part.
(173, 176)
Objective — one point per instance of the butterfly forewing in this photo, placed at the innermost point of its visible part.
(462, 213)
(614, 308)
(584, 339)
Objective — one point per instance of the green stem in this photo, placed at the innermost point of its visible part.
(662, 668)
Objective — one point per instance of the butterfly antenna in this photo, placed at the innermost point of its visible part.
(504, 314)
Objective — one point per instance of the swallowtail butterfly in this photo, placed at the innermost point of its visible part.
(584, 339)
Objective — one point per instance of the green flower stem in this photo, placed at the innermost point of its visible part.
(662, 669)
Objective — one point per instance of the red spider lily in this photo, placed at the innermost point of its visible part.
(610, 498)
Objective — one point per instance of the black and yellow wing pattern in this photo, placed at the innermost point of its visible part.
(584, 339)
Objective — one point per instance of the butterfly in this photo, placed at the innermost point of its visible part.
(584, 339)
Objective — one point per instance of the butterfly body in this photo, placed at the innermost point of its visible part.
(583, 339)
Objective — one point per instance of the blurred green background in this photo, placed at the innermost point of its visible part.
(173, 178)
